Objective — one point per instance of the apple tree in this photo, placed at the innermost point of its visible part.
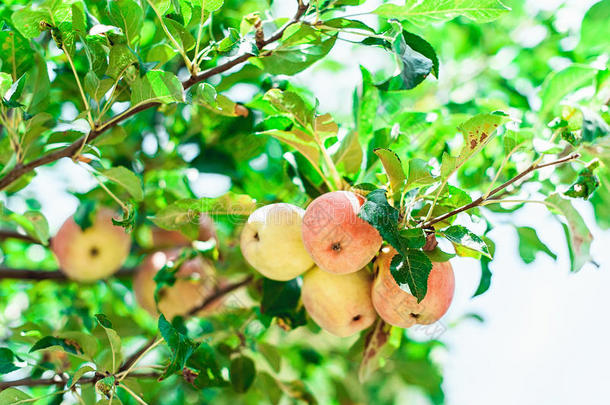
(186, 217)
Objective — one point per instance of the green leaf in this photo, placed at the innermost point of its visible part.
(157, 86)
(485, 280)
(281, 299)
(348, 155)
(79, 20)
(465, 242)
(593, 126)
(79, 374)
(417, 59)
(271, 354)
(586, 183)
(410, 267)
(379, 344)
(180, 345)
(32, 222)
(27, 21)
(301, 141)
(594, 30)
(50, 341)
(393, 168)
(413, 238)
(530, 244)
(7, 362)
(578, 236)
(205, 95)
(114, 341)
(126, 179)
(128, 16)
(422, 13)
(419, 174)
(242, 372)
(119, 59)
(13, 94)
(292, 105)
(12, 396)
(557, 85)
(410, 271)
(477, 132)
(291, 61)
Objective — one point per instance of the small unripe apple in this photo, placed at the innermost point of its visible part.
(195, 282)
(339, 303)
(398, 307)
(271, 242)
(162, 238)
(337, 239)
(94, 253)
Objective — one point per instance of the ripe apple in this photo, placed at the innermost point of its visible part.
(339, 303)
(398, 307)
(337, 239)
(271, 242)
(162, 238)
(93, 253)
(196, 281)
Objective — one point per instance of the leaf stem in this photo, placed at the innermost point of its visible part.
(80, 88)
(179, 48)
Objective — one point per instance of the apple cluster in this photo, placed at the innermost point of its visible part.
(331, 247)
(98, 251)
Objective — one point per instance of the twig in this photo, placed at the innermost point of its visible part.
(57, 275)
(131, 360)
(481, 200)
(70, 150)
(31, 382)
(219, 293)
(5, 234)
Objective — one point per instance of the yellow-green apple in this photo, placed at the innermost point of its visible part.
(398, 307)
(337, 239)
(162, 238)
(93, 253)
(339, 303)
(271, 242)
(195, 282)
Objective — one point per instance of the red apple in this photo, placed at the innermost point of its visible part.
(336, 238)
(398, 307)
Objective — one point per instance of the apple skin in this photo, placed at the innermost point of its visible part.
(162, 238)
(339, 303)
(92, 254)
(398, 307)
(271, 242)
(336, 238)
(196, 281)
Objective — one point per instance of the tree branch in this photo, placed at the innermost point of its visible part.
(30, 382)
(220, 293)
(501, 187)
(70, 150)
(6, 234)
(57, 275)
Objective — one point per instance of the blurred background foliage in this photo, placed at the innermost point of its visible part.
(547, 71)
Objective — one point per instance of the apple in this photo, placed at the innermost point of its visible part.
(337, 239)
(398, 307)
(162, 238)
(271, 242)
(93, 253)
(339, 303)
(196, 281)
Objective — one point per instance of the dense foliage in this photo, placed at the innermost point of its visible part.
(152, 97)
